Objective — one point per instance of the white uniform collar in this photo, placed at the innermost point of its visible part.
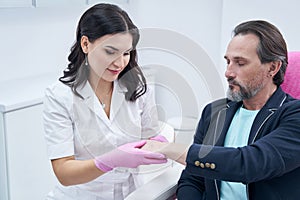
(86, 90)
(89, 97)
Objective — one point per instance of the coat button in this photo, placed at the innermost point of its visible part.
(212, 165)
(197, 163)
(207, 165)
(202, 165)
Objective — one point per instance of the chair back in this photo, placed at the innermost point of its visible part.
(291, 84)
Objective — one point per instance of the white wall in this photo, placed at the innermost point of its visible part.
(198, 20)
(35, 40)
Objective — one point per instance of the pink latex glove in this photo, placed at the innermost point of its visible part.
(159, 138)
(128, 155)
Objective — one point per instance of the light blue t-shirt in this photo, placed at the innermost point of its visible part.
(237, 136)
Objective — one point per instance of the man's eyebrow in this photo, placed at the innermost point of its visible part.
(240, 58)
(236, 58)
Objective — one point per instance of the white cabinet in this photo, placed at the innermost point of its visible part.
(15, 3)
(55, 3)
(28, 174)
(25, 170)
(59, 3)
(108, 1)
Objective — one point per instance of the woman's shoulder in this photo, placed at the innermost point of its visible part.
(150, 91)
(149, 95)
(58, 89)
(58, 86)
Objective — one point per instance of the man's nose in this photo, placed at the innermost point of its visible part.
(230, 73)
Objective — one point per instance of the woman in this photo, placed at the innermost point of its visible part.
(99, 110)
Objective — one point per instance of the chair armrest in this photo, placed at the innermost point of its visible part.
(161, 187)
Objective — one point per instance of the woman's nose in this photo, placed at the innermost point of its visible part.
(119, 61)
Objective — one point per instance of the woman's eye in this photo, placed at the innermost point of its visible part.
(109, 52)
(126, 53)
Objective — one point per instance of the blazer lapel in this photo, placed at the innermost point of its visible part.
(228, 115)
(265, 113)
(262, 117)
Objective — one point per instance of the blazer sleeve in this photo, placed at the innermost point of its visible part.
(191, 186)
(272, 155)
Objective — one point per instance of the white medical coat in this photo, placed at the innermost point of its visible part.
(80, 127)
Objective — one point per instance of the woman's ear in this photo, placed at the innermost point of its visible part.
(84, 44)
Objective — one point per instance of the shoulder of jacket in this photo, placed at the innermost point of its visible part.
(291, 103)
(58, 90)
(220, 103)
(58, 86)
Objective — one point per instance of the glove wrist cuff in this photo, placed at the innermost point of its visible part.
(102, 166)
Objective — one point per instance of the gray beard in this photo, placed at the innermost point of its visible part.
(234, 96)
(242, 94)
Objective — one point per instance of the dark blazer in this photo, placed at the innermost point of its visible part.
(269, 165)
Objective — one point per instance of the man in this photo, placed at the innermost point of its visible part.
(248, 145)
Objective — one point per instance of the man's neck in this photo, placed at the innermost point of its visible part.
(260, 99)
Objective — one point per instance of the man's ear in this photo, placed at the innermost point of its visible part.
(84, 42)
(274, 67)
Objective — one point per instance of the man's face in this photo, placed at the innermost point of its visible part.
(245, 73)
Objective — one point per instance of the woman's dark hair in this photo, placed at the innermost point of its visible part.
(271, 47)
(97, 21)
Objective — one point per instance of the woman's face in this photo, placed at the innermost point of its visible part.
(108, 55)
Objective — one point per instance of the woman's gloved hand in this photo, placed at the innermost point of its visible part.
(128, 155)
(159, 138)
